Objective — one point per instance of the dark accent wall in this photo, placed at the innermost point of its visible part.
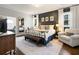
(48, 14)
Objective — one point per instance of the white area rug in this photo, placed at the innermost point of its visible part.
(29, 48)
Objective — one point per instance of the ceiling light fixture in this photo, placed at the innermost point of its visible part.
(36, 5)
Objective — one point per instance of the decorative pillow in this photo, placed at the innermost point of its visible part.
(69, 34)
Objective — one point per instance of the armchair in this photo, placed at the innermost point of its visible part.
(72, 40)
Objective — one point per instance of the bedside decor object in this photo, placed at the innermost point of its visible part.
(42, 19)
(46, 19)
(51, 18)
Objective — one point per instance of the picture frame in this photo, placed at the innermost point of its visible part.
(51, 18)
(46, 19)
(42, 19)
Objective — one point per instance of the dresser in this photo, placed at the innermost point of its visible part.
(7, 43)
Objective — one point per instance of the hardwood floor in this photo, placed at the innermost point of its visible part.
(66, 49)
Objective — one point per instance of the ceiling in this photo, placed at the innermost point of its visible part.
(34, 8)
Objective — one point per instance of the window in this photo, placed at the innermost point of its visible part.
(10, 23)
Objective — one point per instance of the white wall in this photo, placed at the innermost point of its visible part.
(28, 22)
(11, 13)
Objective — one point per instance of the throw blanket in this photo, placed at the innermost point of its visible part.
(49, 34)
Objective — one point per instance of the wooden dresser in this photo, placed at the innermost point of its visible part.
(7, 43)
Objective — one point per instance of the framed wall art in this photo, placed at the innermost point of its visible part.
(46, 19)
(51, 18)
(42, 19)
